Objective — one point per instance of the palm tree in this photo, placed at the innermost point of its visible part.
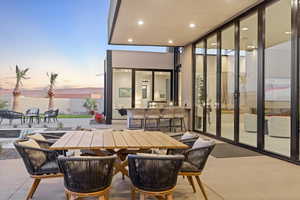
(53, 77)
(20, 75)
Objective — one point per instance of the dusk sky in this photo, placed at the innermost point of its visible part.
(68, 37)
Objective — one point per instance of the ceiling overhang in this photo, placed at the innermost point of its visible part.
(169, 22)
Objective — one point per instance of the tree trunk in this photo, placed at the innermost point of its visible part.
(51, 98)
(16, 94)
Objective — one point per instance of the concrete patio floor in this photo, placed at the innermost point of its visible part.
(243, 178)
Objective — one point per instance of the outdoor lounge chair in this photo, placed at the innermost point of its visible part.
(51, 114)
(31, 114)
(40, 163)
(87, 176)
(11, 115)
(154, 175)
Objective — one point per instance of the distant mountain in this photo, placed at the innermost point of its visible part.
(89, 92)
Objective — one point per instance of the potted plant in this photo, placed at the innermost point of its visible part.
(90, 105)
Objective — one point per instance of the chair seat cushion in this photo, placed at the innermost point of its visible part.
(37, 136)
(187, 135)
(188, 167)
(30, 143)
(200, 142)
(51, 166)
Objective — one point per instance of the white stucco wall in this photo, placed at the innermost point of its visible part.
(186, 78)
(141, 59)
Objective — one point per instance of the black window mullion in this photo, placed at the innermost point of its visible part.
(295, 81)
(219, 71)
(205, 84)
(133, 74)
(261, 79)
(236, 81)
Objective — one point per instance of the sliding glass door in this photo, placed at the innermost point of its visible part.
(143, 88)
(248, 80)
(199, 87)
(212, 104)
(227, 82)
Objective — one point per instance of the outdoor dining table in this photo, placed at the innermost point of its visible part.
(116, 142)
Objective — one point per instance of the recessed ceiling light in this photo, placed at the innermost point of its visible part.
(140, 22)
(288, 32)
(130, 40)
(170, 41)
(192, 25)
(214, 44)
(245, 29)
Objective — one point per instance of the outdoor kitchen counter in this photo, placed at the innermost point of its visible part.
(187, 113)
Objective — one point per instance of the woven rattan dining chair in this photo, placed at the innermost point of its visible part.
(87, 176)
(193, 165)
(40, 164)
(154, 175)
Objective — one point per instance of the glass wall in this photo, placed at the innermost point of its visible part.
(227, 83)
(162, 86)
(121, 91)
(248, 80)
(199, 87)
(143, 88)
(211, 85)
(278, 77)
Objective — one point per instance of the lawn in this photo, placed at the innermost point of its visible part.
(73, 116)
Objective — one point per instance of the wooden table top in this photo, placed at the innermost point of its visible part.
(107, 139)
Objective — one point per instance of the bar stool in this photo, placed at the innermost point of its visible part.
(166, 114)
(179, 114)
(136, 115)
(152, 114)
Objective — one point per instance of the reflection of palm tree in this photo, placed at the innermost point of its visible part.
(53, 77)
(20, 75)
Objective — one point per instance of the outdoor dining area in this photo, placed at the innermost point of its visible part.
(88, 161)
(31, 116)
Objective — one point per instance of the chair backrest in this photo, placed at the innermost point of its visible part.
(87, 174)
(34, 111)
(154, 172)
(32, 157)
(199, 156)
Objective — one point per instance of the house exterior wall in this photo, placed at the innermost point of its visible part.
(142, 60)
(186, 78)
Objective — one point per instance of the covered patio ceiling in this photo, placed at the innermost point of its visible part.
(170, 22)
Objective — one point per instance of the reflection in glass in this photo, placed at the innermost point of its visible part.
(121, 91)
(211, 84)
(278, 77)
(143, 88)
(248, 80)
(162, 86)
(227, 83)
(199, 87)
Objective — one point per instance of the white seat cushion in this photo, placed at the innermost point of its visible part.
(200, 142)
(30, 143)
(187, 135)
(37, 136)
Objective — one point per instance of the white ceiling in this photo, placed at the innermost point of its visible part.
(166, 20)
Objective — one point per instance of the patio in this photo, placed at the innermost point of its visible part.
(256, 177)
